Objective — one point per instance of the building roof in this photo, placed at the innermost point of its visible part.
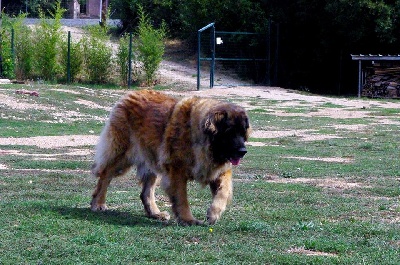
(375, 57)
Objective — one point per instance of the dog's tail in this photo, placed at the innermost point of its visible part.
(103, 152)
(113, 142)
(110, 148)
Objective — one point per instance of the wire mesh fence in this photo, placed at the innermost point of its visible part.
(236, 58)
(241, 58)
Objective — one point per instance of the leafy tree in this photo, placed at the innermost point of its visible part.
(316, 37)
(38, 8)
(319, 36)
(184, 18)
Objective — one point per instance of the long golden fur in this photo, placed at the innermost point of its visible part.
(175, 141)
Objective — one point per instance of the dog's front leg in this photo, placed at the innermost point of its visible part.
(221, 190)
(176, 188)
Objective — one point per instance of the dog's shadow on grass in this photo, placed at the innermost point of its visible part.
(112, 217)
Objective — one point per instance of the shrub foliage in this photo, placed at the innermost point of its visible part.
(98, 55)
(42, 52)
(47, 38)
(150, 46)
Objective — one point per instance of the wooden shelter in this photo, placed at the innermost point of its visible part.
(373, 59)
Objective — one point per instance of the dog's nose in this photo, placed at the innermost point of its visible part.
(242, 151)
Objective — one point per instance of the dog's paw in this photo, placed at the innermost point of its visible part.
(212, 216)
(190, 222)
(162, 216)
(98, 207)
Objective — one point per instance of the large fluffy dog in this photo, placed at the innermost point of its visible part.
(177, 140)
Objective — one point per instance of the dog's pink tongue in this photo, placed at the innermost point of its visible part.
(235, 162)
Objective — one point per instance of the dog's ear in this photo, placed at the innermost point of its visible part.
(247, 128)
(213, 122)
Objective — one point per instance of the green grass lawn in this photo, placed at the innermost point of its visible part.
(292, 205)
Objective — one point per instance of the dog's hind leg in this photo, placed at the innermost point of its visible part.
(149, 184)
(98, 202)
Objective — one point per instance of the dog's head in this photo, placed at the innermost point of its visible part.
(227, 126)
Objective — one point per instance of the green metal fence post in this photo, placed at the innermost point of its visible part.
(269, 52)
(212, 56)
(1, 57)
(199, 52)
(130, 61)
(198, 59)
(12, 49)
(69, 58)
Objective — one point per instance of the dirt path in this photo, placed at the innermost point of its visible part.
(350, 108)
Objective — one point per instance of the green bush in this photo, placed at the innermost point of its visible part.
(7, 63)
(20, 64)
(122, 61)
(7, 56)
(123, 58)
(48, 39)
(76, 58)
(150, 46)
(98, 55)
(24, 53)
(42, 51)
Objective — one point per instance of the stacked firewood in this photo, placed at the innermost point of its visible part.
(382, 83)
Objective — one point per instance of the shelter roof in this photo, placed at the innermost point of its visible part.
(375, 57)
